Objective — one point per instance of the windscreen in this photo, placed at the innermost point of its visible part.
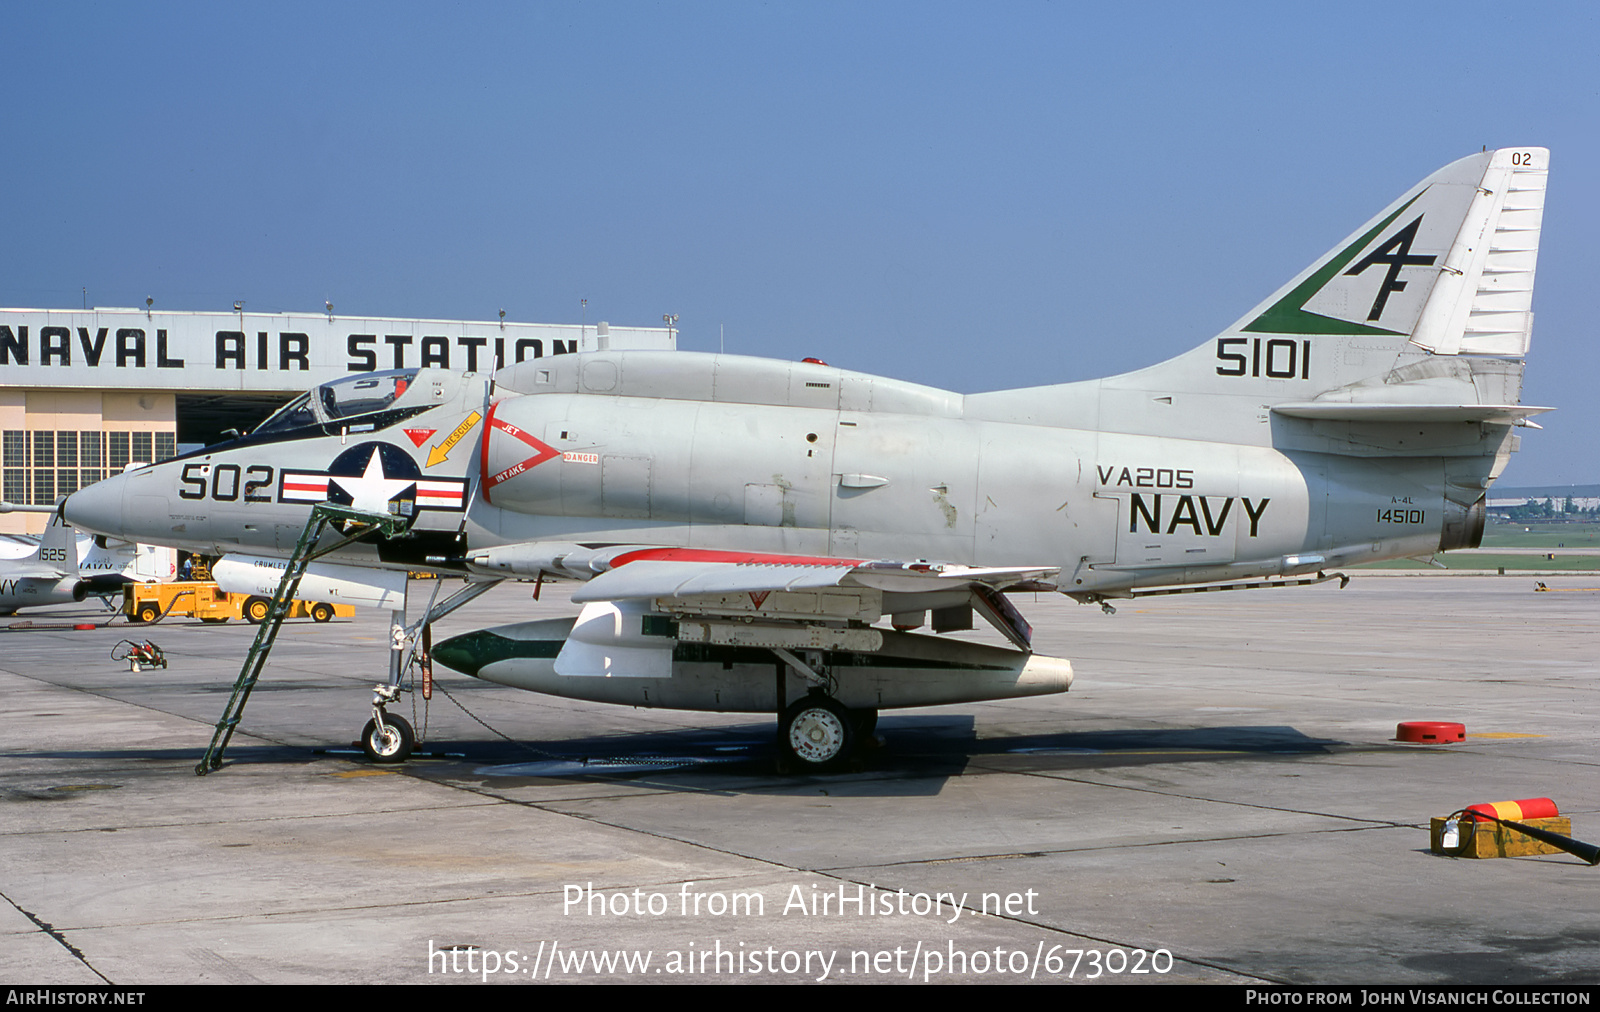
(296, 414)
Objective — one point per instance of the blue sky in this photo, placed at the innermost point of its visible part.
(974, 198)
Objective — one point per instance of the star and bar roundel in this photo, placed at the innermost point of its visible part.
(377, 477)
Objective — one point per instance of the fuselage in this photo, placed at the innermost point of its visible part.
(716, 452)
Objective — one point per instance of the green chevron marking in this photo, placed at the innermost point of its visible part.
(1289, 316)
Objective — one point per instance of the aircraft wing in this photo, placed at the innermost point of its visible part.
(702, 581)
(686, 572)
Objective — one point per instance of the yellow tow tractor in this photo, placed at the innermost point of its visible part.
(151, 602)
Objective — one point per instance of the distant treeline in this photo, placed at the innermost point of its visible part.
(1551, 509)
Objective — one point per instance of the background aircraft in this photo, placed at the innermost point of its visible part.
(742, 525)
(30, 576)
(47, 575)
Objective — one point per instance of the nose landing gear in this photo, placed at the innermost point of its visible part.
(388, 737)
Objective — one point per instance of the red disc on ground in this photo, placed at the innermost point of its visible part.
(85, 625)
(1431, 732)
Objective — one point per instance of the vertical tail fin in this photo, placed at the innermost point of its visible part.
(1427, 304)
(1449, 265)
(59, 546)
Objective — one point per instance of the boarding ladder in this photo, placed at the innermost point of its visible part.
(358, 524)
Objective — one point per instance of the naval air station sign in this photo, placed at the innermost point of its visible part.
(131, 349)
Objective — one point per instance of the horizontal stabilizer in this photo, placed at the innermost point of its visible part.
(1503, 414)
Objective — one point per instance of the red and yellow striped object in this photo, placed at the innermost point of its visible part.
(1517, 811)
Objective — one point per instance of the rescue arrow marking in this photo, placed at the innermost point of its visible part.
(438, 453)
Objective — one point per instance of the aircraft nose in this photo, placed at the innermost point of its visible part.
(98, 507)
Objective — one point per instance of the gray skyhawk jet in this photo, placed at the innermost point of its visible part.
(742, 526)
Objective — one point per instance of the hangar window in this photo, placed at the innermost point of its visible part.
(40, 467)
(91, 461)
(14, 466)
(118, 458)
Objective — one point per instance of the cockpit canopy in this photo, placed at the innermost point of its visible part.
(340, 400)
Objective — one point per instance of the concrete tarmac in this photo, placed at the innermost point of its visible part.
(1218, 799)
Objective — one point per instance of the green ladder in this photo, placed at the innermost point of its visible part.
(361, 524)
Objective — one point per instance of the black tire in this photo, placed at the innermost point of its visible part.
(149, 613)
(816, 733)
(321, 612)
(392, 748)
(256, 610)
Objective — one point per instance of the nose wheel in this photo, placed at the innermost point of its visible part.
(390, 741)
(816, 733)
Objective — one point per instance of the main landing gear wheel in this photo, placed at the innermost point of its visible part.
(816, 733)
(392, 743)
